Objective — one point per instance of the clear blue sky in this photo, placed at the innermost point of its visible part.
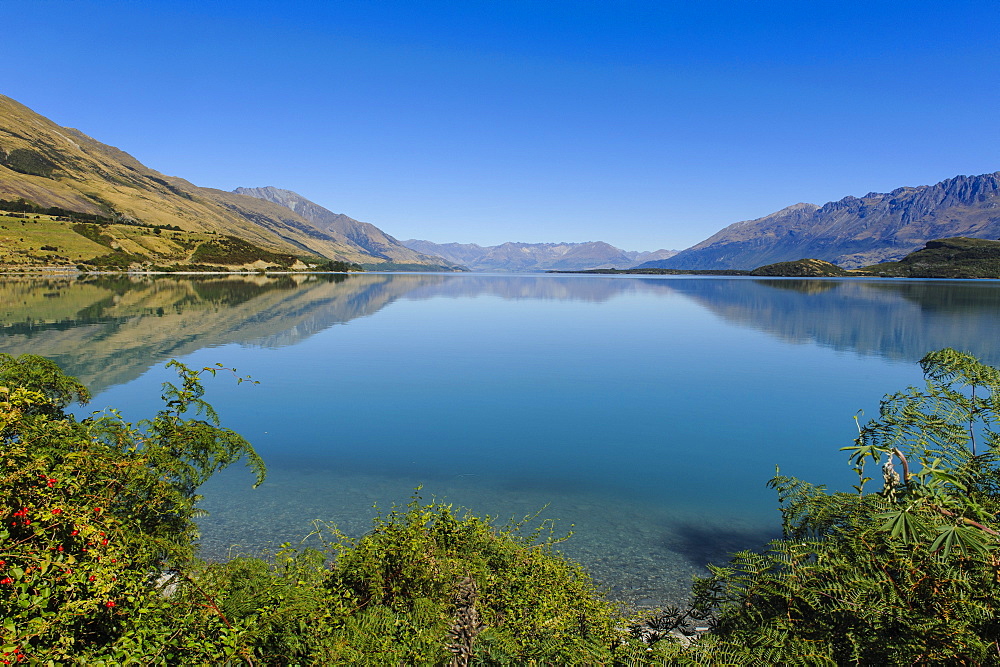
(643, 124)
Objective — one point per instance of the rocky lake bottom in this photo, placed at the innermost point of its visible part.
(643, 556)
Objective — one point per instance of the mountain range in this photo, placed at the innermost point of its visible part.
(528, 257)
(853, 232)
(362, 237)
(54, 166)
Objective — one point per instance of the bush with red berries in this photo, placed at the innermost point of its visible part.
(92, 509)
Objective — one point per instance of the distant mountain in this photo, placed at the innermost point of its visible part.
(650, 256)
(55, 166)
(853, 232)
(465, 254)
(362, 236)
(525, 257)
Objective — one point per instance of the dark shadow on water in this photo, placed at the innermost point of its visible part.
(701, 544)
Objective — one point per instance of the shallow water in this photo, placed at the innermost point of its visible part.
(643, 414)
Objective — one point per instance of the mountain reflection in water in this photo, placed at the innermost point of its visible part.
(648, 411)
(108, 330)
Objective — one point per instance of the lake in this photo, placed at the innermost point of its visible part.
(644, 414)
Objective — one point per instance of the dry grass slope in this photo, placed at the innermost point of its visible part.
(57, 166)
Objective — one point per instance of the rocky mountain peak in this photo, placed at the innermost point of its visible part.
(854, 232)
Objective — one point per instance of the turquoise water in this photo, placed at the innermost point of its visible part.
(644, 414)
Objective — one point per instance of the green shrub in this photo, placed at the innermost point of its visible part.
(97, 553)
(94, 233)
(93, 508)
(424, 587)
(97, 557)
(117, 260)
(906, 574)
(230, 250)
(338, 266)
(422, 566)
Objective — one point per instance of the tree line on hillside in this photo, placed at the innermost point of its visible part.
(25, 206)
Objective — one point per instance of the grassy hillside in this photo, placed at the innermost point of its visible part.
(56, 166)
(957, 257)
(34, 240)
(801, 268)
(387, 253)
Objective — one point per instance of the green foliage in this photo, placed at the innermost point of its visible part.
(801, 268)
(338, 266)
(230, 250)
(93, 232)
(24, 206)
(116, 260)
(97, 557)
(424, 587)
(36, 374)
(417, 563)
(93, 508)
(904, 575)
(957, 257)
(27, 161)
